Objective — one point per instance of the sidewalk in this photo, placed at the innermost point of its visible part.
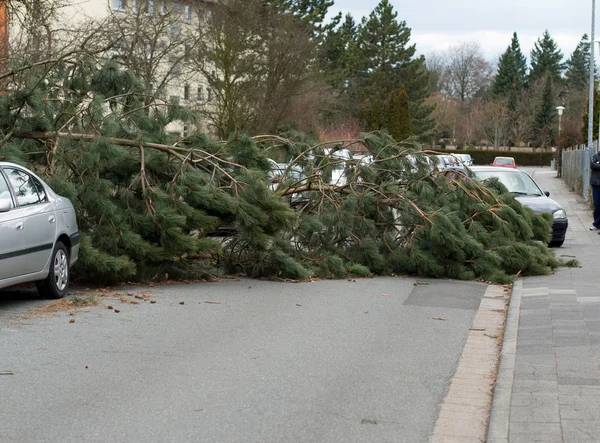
(548, 386)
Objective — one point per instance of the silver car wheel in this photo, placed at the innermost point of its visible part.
(61, 270)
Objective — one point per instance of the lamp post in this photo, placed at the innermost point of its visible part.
(560, 110)
(587, 153)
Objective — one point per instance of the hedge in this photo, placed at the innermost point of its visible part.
(483, 158)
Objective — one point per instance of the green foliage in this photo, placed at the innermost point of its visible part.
(584, 128)
(542, 130)
(512, 68)
(546, 58)
(386, 61)
(578, 66)
(149, 206)
(520, 59)
(397, 115)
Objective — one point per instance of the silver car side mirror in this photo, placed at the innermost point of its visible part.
(5, 206)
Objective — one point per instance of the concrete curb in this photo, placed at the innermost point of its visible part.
(464, 413)
(499, 420)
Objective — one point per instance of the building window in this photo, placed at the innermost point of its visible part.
(200, 94)
(209, 94)
(149, 6)
(188, 13)
(186, 92)
(175, 68)
(201, 16)
(163, 7)
(175, 31)
(119, 5)
(186, 130)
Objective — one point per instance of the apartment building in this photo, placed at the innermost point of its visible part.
(162, 62)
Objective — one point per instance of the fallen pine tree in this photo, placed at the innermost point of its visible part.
(148, 204)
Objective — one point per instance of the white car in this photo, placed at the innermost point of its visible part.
(466, 159)
(39, 238)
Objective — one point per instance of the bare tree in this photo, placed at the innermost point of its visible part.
(449, 114)
(257, 64)
(491, 120)
(436, 66)
(467, 71)
(152, 41)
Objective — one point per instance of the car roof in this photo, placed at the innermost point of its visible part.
(507, 158)
(10, 164)
(495, 168)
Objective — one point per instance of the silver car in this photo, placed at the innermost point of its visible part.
(39, 238)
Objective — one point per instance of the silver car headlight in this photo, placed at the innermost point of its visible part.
(560, 214)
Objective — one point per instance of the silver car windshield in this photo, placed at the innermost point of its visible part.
(516, 182)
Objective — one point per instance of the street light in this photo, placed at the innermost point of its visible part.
(588, 150)
(560, 110)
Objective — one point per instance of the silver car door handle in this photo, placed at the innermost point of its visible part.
(52, 219)
(20, 226)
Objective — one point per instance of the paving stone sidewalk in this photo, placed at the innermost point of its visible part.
(548, 386)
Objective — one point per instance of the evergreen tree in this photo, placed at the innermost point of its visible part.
(386, 61)
(397, 115)
(543, 124)
(507, 77)
(511, 74)
(584, 128)
(312, 12)
(520, 61)
(147, 202)
(371, 113)
(578, 66)
(546, 58)
(338, 59)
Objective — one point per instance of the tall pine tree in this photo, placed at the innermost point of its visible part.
(520, 59)
(546, 58)
(386, 61)
(339, 57)
(543, 124)
(578, 66)
(506, 80)
(512, 69)
(312, 12)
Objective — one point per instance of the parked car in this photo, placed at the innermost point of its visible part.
(340, 160)
(528, 192)
(505, 162)
(281, 172)
(466, 159)
(39, 238)
(450, 162)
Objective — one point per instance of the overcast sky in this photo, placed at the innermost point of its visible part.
(439, 24)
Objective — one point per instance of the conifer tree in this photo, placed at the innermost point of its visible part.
(339, 57)
(511, 73)
(546, 58)
(520, 61)
(507, 76)
(543, 124)
(386, 60)
(397, 115)
(584, 128)
(578, 66)
(148, 205)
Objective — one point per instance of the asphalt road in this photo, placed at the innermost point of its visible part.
(328, 361)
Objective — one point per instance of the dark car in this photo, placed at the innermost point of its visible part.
(528, 192)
